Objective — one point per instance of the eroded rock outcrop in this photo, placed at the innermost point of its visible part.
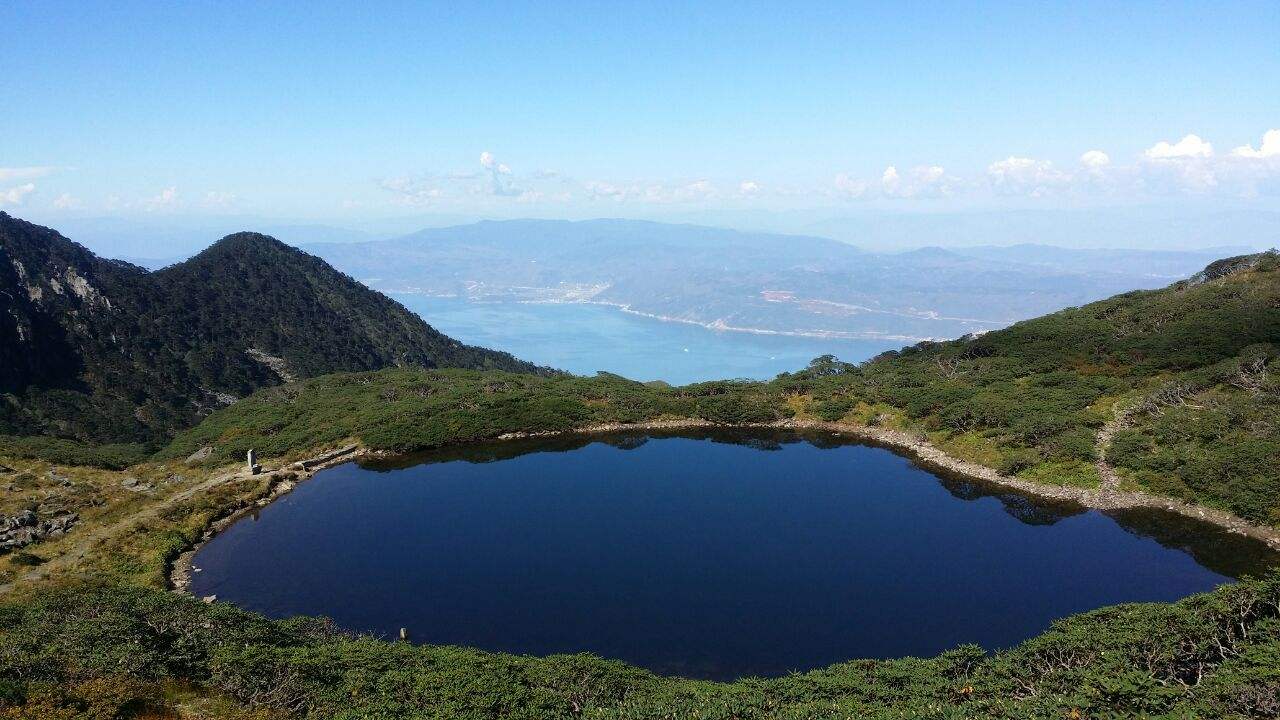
(24, 528)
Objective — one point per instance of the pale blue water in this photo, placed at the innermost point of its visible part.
(586, 338)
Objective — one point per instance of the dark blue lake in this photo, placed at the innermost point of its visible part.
(716, 556)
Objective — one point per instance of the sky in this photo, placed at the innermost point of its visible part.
(351, 113)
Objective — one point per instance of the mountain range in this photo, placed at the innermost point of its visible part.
(760, 282)
(105, 351)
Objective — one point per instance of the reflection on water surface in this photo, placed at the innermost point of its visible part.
(711, 555)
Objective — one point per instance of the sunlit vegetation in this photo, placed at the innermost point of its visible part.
(95, 651)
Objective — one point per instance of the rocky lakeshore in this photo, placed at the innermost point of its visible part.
(930, 456)
(285, 478)
(280, 482)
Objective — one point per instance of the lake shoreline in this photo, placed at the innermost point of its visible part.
(280, 482)
(285, 478)
(930, 456)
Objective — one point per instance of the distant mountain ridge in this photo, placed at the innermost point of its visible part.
(102, 350)
(761, 282)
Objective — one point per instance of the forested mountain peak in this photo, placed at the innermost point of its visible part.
(101, 350)
(245, 243)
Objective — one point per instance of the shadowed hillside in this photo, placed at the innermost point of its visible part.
(104, 351)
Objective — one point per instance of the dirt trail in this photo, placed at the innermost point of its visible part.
(84, 542)
(1108, 477)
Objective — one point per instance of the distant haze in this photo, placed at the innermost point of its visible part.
(1156, 227)
(754, 282)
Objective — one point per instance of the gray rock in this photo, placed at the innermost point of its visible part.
(200, 455)
(26, 518)
(18, 531)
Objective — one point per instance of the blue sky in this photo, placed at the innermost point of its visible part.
(349, 111)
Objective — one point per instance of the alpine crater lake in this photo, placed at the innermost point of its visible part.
(714, 555)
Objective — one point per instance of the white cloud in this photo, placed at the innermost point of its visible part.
(499, 180)
(922, 181)
(889, 180)
(1095, 159)
(660, 193)
(1167, 168)
(167, 198)
(1186, 166)
(216, 199)
(24, 173)
(605, 190)
(411, 191)
(699, 188)
(488, 162)
(851, 187)
(1025, 176)
(15, 195)
(1190, 146)
(1269, 148)
(66, 201)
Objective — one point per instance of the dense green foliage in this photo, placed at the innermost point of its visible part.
(1191, 370)
(70, 452)
(110, 652)
(100, 351)
(405, 410)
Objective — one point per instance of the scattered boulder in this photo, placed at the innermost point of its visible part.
(135, 485)
(22, 529)
(200, 455)
(26, 518)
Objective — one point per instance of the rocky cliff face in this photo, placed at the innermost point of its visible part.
(104, 351)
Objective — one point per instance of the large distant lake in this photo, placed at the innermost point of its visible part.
(586, 338)
(713, 556)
